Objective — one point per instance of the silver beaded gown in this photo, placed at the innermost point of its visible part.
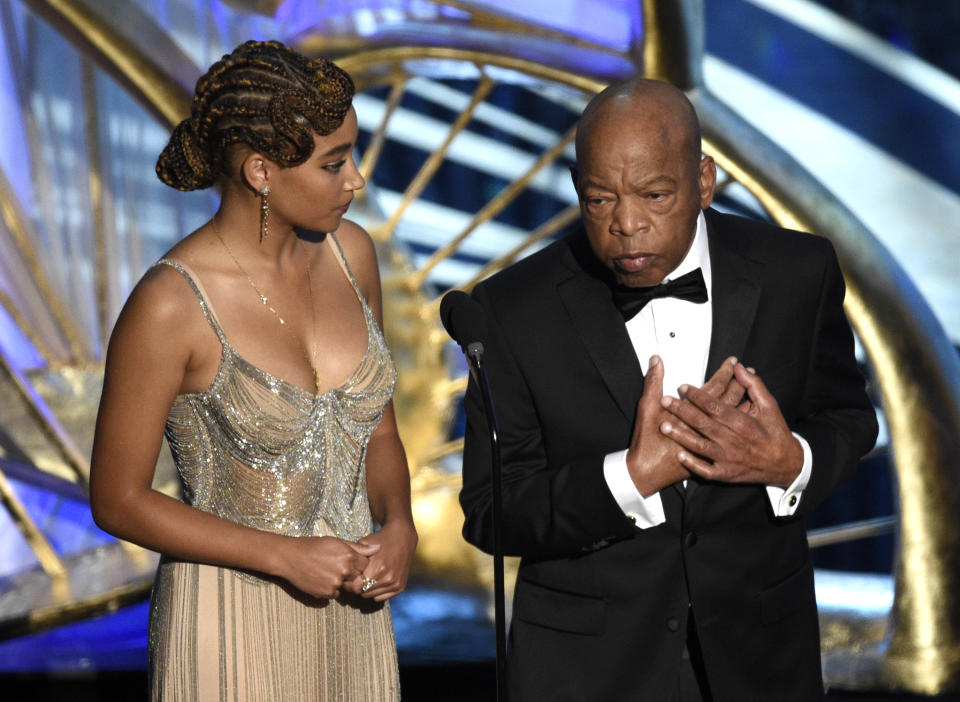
(262, 452)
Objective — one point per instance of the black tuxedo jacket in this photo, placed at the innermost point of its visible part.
(601, 607)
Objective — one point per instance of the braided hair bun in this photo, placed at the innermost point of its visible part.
(264, 95)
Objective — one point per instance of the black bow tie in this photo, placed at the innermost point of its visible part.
(687, 287)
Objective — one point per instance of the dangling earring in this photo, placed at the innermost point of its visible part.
(264, 211)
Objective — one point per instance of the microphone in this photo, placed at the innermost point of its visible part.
(465, 322)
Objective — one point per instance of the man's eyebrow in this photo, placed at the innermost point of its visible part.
(337, 150)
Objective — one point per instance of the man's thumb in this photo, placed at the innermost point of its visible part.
(653, 381)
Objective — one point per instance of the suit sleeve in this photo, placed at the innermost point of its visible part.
(549, 509)
(836, 416)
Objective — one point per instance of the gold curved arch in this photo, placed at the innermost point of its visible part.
(130, 63)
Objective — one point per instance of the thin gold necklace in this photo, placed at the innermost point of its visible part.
(266, 303)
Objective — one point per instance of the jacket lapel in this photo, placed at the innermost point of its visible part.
(602, 332)
(735, 294)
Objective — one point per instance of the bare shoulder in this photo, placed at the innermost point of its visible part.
(160, 318)
(162, 296)
(359, 250)
(356, 242)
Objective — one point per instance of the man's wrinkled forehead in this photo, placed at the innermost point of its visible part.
(641, 104)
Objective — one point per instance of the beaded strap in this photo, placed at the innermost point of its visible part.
(346, 267)
(204, 305)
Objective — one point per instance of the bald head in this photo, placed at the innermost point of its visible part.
(643, 104)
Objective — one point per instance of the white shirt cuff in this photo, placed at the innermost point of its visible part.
(645, 512)
(786, 501)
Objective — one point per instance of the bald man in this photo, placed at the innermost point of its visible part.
(674, 388)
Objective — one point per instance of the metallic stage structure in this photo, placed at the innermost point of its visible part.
(48, 409)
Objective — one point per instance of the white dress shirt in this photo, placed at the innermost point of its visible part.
(679, 332)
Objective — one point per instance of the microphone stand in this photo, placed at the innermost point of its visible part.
(475, 354)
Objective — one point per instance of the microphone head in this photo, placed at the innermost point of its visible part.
(463, 318)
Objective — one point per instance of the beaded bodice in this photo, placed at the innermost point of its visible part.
(259, 451)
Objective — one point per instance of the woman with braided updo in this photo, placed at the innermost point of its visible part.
(257, 352)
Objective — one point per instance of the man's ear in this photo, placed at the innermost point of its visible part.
(255, 171)
(707, 181)
(575, 175)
